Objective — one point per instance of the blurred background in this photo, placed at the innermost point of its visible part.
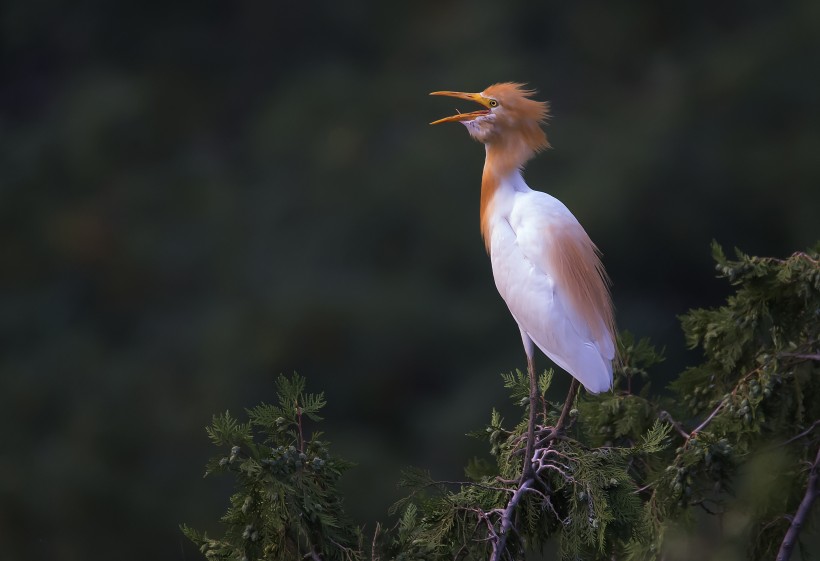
(196, 197)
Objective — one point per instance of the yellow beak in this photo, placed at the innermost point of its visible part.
(478, 98)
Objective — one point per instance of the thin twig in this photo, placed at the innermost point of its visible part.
(373, 556)
(665, 416)
(349, 552)
(799, 436)
(723, 403)
(708, 419)
(546, 500)
(476, 484)
(299, 426)
(702, 504)
(815, 356)
(440, 486)
(802, 513)
(313, 555)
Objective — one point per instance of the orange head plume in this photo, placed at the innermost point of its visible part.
(510, 118)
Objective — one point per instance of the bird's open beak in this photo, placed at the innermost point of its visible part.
(478, 98)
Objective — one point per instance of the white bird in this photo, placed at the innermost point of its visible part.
(545, 266)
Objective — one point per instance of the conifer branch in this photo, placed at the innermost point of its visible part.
(800, 435)
(542, 461)
(702, 504)
(802, 513)
(722, 404)
(707, 420)
(313, 556)
(666, 416)
(373, 554)
(807, 356)
(500, 544)
(299, 427)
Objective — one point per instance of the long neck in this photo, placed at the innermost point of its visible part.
(502, 160)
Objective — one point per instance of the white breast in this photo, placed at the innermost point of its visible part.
(520, 222)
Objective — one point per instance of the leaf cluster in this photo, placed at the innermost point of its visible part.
(286, 505)
(754, 401)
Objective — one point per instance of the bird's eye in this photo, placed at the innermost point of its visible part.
(493, 103)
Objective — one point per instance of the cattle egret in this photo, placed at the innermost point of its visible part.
(545, 266)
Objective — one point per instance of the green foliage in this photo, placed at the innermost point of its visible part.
(286, 505)
(745, 415)
(737, 436)
(583, 496)
(622, 417)
(755, 399)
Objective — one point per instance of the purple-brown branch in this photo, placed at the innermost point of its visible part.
(507, 520)
(802, 513)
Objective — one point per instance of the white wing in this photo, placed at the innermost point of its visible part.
(525, 251)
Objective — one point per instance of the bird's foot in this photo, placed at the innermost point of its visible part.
(547, 434)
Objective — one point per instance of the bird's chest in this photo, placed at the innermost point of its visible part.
(516, 271)
(519, 221)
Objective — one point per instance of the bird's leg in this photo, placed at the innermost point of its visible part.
(531, 425)
(549, 433)
(573, 391)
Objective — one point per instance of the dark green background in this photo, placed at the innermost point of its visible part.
(198, 196)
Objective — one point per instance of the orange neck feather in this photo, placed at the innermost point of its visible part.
(489, 185)
(515, 138)
(503, 158)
